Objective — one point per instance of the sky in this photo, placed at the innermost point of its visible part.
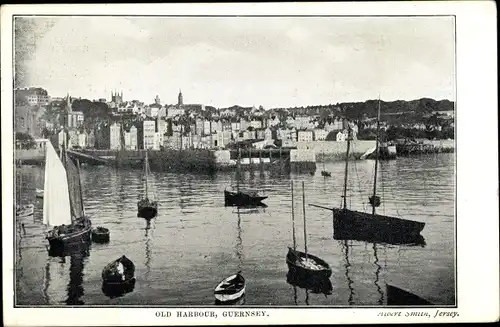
(224, 61)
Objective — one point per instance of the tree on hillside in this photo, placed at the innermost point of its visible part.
(25, 141)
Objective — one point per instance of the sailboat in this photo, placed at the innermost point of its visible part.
(350, 224)
(62, 202)
(304, 265)
(23, 210)
(147, 208)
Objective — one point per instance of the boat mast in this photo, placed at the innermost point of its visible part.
(346, 165)
(146, 172)
(238, 175)
(304, 213)
(80, 182)
(293, 221)
(376, 160)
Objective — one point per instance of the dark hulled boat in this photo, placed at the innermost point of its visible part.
(147, 208)
(356, 225)
(230, 290)
(63, 202)
(398, 296)
(118, 277)
(242, 199)
(100, 235)
(325, 173)
(305, 266)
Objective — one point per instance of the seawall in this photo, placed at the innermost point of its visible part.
(30, 156)
(335, 151)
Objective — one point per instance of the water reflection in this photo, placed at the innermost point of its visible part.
(239, 242)
(317, 285)
(377, 275)
(77, 255)
(347, 266)
(148, 247)
(409, 240)
(75, 289)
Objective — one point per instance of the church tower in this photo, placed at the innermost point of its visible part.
(68, 103)
(180, 100)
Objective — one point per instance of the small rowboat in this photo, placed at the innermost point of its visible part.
(25, 211)
(100, 235)
(119, 272)
(147, 208)
(39, 193)
(325, 173)
(230, 290)
(307, 266)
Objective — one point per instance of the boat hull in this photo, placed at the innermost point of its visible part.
(25, 211)
(100, 235)
(147, 212)
(240, 199)
(111, 276)
(82, 235)
(398, 296)
(230, 290)
(348, 224)
(114, 290)
(301, 272)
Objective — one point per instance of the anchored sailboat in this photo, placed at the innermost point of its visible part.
(147, 208)
(63, 207)
(350, 224)
(304, 265)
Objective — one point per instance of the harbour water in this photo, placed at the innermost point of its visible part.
(195, 241)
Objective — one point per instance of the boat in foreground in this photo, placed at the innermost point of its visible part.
(230, 290)
(119, 272)
(118, 277)
(63, 207)
(242, 198)
(398, 296)
(305, 266)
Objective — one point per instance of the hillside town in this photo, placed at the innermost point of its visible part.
(120, 124)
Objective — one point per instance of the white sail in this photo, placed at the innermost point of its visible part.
(56, 205)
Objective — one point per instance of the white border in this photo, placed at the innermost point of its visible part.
(477, 164)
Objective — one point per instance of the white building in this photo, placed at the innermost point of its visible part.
(148, 140)
(115, 136)
(256, 124)
(175, 111)
(305, 136)
(320, 134)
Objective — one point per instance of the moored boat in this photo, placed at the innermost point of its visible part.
(25, 211)
(63, 207)
(230, 290)
(356, 225)
(146, 207)
(100, 235)
(398, 296)
(242, 198)
(119, 272)
(304, 265)
(325, 173)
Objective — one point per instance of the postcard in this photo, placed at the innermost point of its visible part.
(248, 163)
